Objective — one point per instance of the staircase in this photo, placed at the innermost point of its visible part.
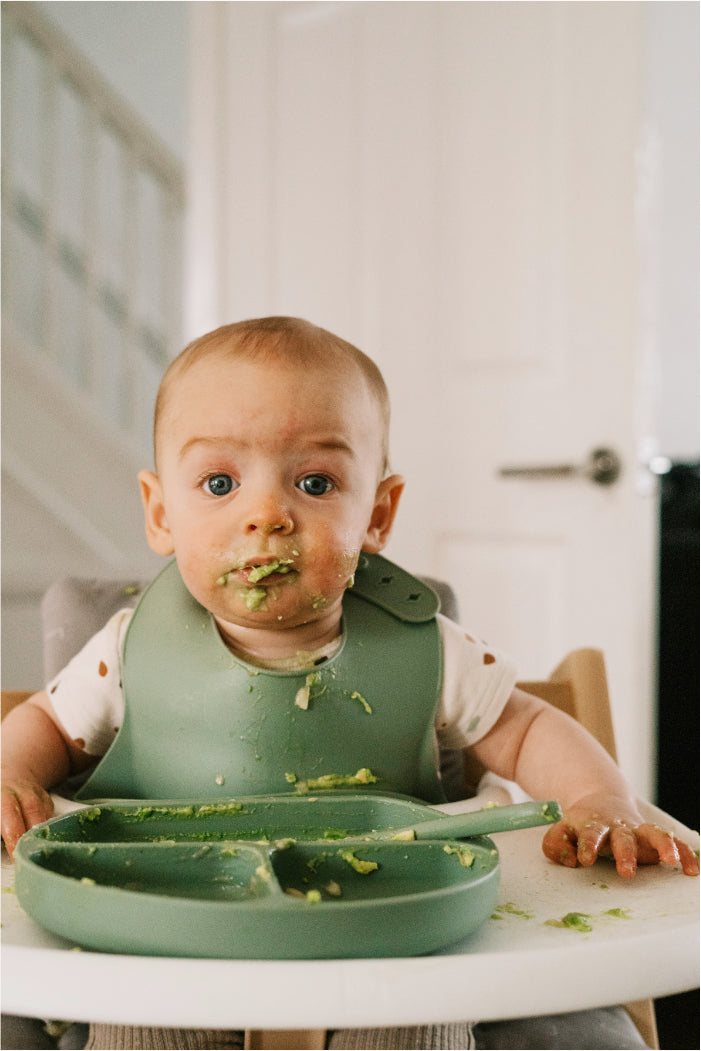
(92, 215)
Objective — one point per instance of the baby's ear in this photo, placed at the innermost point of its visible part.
(382, 519)
(157, 531)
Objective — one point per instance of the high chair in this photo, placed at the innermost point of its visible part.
(73, 609)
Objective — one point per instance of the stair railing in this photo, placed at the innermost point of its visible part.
(92, 226)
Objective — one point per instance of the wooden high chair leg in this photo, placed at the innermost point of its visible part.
(285, 1040)
(643, 1014)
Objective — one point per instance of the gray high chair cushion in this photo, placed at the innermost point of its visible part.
(73, 609)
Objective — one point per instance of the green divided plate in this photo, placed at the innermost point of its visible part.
(263, 877)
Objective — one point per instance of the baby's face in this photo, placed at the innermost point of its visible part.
(269, 478)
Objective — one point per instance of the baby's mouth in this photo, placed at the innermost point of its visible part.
(253, 573)
(278, 567)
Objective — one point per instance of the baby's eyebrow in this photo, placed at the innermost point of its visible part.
(335, 444)
(332, 443)
(191, 443)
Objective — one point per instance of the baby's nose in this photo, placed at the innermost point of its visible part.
(269, 516)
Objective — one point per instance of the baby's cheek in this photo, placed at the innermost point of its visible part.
(199, 580)
(347, 564)
(327, 578)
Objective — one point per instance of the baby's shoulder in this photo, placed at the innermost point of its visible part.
(468, 646)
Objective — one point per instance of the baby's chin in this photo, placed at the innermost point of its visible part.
(265, 633)
(274, 606)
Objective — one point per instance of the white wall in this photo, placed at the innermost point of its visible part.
(673, 156)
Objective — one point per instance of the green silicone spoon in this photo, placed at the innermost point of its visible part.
(478, 822)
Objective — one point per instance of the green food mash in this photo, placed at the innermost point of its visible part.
(575, 921)
(304, 693)
(255, 598)
(314, 784)
(363, 867)
(355, 696)
(465, 856)
(276, 566)
(93, 814)
(144, 813)
(580, 921)
(511, 909)
(284, 844)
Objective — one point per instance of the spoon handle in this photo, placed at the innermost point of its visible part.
(485, 822)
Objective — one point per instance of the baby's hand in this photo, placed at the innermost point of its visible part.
(24, 804)
(601, 826)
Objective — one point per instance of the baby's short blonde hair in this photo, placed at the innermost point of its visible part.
(287, 340)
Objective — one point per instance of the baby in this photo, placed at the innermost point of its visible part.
(278, 621)
(272, 482)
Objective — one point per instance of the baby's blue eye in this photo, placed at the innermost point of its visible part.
(315, 485)
(219, 484)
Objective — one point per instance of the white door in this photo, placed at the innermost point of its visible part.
(454, 187)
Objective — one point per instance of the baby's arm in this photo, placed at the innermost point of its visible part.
(552, 757)
(36, 755)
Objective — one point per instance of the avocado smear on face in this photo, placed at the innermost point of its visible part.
(255, 598)
(277, 566)
(256, 573)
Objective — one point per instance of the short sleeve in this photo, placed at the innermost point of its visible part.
(87, 694)
(477, 682)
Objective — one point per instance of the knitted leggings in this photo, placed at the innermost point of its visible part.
(456, 1037)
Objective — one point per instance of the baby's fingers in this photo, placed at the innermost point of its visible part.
(12, 819)
(37, 806)
(592, 838)
(658, 845)
(569, 846)
(21, 810)
(689, 860)
(660, 842)
(624, 847)
(560, 845)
